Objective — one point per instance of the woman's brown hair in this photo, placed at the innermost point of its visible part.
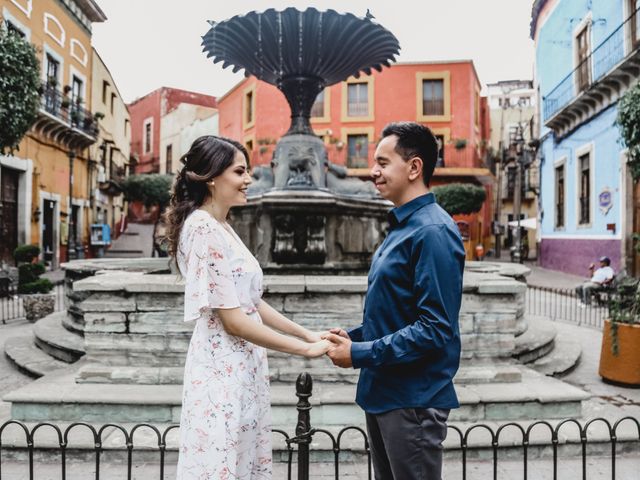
(207, 158)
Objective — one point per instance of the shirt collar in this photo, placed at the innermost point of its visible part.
(400, 214)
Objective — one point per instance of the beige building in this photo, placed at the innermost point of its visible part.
(111, 152)
(179, 128)
(511, 105)
(55, 156)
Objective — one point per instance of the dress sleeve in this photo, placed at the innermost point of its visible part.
(209, 280)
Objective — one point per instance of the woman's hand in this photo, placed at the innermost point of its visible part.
(317, 349)
(313, 337)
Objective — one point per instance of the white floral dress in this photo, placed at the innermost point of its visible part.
(225, 426)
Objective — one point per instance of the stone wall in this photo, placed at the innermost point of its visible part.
(134, 330)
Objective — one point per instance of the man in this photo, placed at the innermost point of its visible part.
(602, 276)
(408, 346)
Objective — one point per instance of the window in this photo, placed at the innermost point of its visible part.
(169, 163)
(248, 105)
(582, 47)
(317, 109)
(560, 196)
(76, 90)
(105, 87)
(634, 11)
(126, 127)
(12, 29)
(441, 142)
(476, 109)
(584, 165)
(358, 99)
(147, 136)
(357, 150)
(53, 66)
(113, 101)
(433, 97)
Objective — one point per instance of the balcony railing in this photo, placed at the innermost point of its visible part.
(358, 109)
(594, 67)
(60, 106)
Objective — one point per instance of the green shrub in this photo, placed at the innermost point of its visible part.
(26, 253)
(460, 198)
(29, 280)
(41, 285)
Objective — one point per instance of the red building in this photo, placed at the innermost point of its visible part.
(350, 116)
(147, 125)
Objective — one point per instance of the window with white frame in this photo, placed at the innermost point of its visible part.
(584, 191)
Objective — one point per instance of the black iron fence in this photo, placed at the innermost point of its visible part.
(615, 439)
(565, 305)
(11, 305)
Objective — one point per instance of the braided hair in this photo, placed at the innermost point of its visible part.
(207, 158)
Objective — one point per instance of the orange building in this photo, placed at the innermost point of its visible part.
(350, 116)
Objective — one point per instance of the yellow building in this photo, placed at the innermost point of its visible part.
(55, 154)
(112, 150)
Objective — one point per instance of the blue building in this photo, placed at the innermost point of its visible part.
(587, 57)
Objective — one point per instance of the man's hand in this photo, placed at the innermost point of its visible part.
(340, 353)
(339, 331)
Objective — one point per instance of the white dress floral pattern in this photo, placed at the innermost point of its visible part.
(225, 425)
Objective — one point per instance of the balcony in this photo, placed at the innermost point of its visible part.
(63, 121)
(597, 82)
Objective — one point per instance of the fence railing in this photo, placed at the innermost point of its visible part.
(12, 308)
(622, 41)
(496, 440)
(565, 305)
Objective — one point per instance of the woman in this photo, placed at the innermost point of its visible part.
(225, 427)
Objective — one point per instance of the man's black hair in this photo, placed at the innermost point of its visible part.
(415, 140)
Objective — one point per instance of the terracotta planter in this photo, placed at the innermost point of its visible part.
(623, 368)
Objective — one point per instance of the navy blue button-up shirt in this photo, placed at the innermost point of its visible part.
(408, 345)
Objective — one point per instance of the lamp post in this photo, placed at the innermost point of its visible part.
(71, 244)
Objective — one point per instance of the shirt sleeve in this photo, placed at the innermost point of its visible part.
(209, 280)
(438, 261)
(355, 334)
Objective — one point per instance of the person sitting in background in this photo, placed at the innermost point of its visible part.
(599, 277)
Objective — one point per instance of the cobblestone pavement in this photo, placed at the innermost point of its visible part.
(10, 377)
(598, 468)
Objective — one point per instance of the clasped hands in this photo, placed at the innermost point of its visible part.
(336, 344)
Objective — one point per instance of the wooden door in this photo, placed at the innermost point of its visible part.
(9, 204)
(583, 59)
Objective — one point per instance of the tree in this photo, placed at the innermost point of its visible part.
(152, 189)
(460, 198)
(629, 122)
(19, 89)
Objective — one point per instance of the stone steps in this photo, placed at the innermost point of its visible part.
(23, 352)
(53, 338)
(536, 342)
(58, 397)
(564, 358)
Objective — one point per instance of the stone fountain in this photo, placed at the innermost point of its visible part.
(304, 215)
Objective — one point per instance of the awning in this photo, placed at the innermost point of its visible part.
(529, 223)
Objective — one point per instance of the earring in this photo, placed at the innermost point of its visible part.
(212, 183)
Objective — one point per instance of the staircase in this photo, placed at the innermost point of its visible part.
(135, 242)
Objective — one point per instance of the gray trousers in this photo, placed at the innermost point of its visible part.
(585, 290)
(406, 444)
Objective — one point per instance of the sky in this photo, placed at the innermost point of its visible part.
(147, 44)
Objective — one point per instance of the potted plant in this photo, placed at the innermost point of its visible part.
(620, 352)
(460, 143)
(36, 299)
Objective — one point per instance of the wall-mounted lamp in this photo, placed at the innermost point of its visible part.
(35, 216)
